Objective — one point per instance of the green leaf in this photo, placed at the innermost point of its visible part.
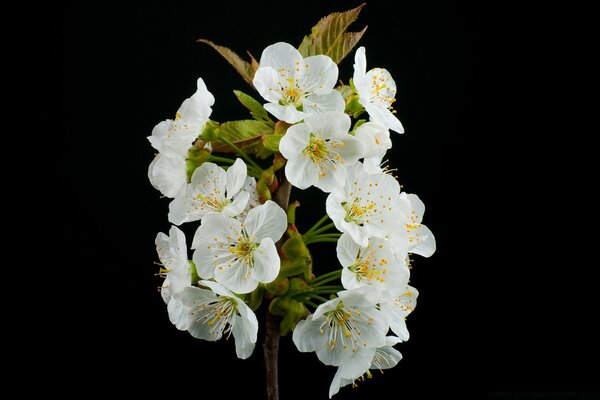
(271, 142)
(244, 68)
(244, 134)
(329, 36)
(256, 109)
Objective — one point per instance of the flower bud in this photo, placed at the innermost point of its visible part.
(296, 312)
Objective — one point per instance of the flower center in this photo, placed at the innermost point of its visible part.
(215, 201)
(292, 94)
(380, 91)
(342, 324)
(323, 153)
(357, 212)
(217, 314)
(243, 250)
(368, 267)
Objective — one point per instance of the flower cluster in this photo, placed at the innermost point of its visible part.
(247, 249)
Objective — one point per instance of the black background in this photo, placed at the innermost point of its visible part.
(499, 307)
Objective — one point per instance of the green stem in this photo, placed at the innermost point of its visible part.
(337, 272)
(326, 287)
(316, 296)
(241, 153)
(327, 280)
(316, 226)
(310, 303)
(220, 159)
(326, 235)
(328, 291)
(323, 240)
(323, 229)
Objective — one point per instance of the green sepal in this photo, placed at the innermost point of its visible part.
(193, 272)
(296, 312)
(257, 111)
(255, 298)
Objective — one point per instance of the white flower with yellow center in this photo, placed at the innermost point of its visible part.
(217, 312)
(366, 205)
(319, 150)
(173, 139)
(175, 267)
(414, 236)
(361, 362)
(342, 326)
(377, 91)
(295, 86)
(211, 190)
(240, 255)
(395, 306)
(376, 142)
(375, 264)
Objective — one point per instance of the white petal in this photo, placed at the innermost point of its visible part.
(417, 208)
(301, 172)
(245, 331)
(384, 116)
(319, 74)
(423, 241)
(268, 83)
(285, 113)
(328, 101)
(386, 357)
(168, 175)
(337, 383)
(347, 250)
(236, 276)
(351, 151)
(358, 364)
(266, 221)
(212, 243)
(328, 123)
(244, 347)
(282, 57)
(294, 141)
(307, 336)
(217, 288)
(165, 291)
(238, 204)
(374, 138)
(365, 296)
(178, 209)
(266, 261)
(360, 66)
(211, 176)
(178, 314)
(349, 280)
(236, 176)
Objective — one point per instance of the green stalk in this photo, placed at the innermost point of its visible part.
(241, 153)
(327, 280)
(318, 280)
(316, 226)
(323, 240)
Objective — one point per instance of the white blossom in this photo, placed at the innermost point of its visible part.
(296, 87)
(172, 253)
(374, 264)
(211, 190)
(376, 142)
(319, 150)
(340, 327)
(395, 306)
(413, 236)
(377, 92)
(366, 205)
(215, 312)
(240, 255)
